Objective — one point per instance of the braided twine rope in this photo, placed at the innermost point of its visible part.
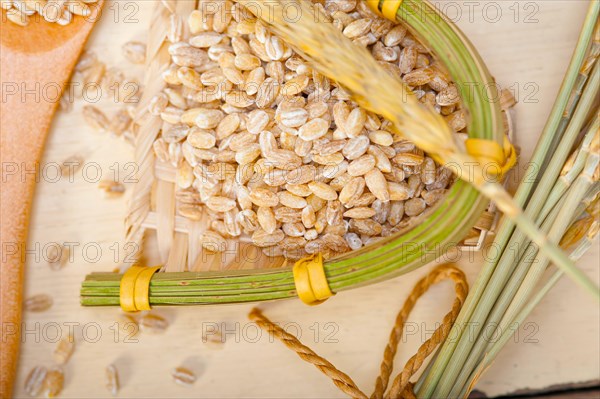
(400, 387)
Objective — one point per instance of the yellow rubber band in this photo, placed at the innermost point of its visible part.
(490, 152)
(318, 281)
(309, 277)
(485, 149)
(135, 287)
(127, 288)
(141, 290)
(302, 282)
(374, 5)
(389, 9)
(510, 153)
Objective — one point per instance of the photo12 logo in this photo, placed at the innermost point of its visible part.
(516, 12)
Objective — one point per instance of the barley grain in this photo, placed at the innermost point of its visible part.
(120, 123)
(134, 52)
(285, 214)
(362, 212)
(111, 379)
(261, 238)
(382, 162)
(264, 197)
(38, 303)
(323, 190)
(361, 166)
(431, 197)
(301, 190)
(34, 383)
(112, 189)
(54, 382)
(382, 210)
(266, 219)
(398, 191)
(64, 349)
(57, 256)
(293, 117)
(414, 206)
(355, 122)
(396, 213)
(153, 323)
(295, 230)
(95, 118)
(381, 137)
(291, 200)
(377, 184)
(183, 376)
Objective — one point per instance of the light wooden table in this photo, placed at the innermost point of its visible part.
(527, 46)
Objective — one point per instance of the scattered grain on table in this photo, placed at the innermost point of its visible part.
(111, 379)
(64, 349)
(34, 383)
(111, 188)
(54, 382)
(153, 323)
(183, 376)
(57, 256)
(38, 303)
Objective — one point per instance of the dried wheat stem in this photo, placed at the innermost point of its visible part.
(549, 156)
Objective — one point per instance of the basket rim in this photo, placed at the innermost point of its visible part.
(389, 257)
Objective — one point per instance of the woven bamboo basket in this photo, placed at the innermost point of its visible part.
(191, 277)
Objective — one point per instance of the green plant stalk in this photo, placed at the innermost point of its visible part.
(547, 221)
(508, 259)
(495, 348)
(565, 181)
(503, 302)
(549, 248)
(465, 389)
(474, 356)
(523, 279)
(591, 57)
(560, 225)
(167, 290)
(554, 126)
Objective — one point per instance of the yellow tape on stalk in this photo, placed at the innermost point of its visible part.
(135, 288)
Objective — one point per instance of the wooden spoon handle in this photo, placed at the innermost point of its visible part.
(35, 65)
(23, 129)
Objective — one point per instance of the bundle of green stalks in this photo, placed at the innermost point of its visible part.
(563, 200)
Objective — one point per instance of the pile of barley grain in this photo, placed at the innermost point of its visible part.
(277, 154)
(61, 12)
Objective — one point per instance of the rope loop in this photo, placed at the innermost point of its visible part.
(401, 387)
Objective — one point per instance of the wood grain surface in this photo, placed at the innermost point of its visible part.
(527, 45)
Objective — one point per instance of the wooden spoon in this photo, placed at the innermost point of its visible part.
(35, 64)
